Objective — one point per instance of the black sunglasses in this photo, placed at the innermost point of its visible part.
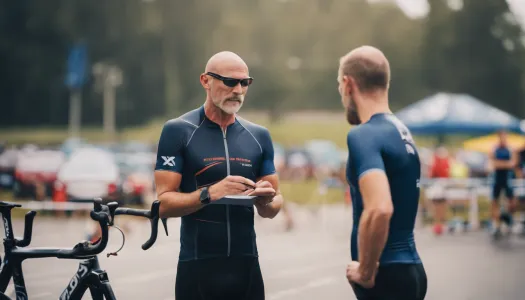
(231, 82)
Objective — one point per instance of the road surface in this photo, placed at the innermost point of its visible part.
(307, 263)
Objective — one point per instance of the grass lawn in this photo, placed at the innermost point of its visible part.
(293, 129)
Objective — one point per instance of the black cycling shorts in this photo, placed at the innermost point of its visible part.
(396, 282)
(233, 278)
(500, 186)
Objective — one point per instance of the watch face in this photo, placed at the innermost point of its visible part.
(204, 195)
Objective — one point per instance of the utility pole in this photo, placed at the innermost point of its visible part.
(75, 112)
(108, 78)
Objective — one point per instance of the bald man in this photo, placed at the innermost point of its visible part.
(383, 172)
(210, 164)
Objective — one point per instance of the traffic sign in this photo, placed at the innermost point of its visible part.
(76, 66)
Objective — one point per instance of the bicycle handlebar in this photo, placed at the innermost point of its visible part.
(103, 214)
(152, 215)
(81, 250)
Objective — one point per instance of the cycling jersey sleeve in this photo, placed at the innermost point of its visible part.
(267, 165)
(364, 151)
(171, 145)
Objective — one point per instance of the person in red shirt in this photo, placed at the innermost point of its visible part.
(439, 168)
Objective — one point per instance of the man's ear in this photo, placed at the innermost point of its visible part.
(205, 81)
(352, 85)
(349, 83)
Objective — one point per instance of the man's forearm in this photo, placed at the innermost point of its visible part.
(174, 204)
(272, 209)
(373, 234)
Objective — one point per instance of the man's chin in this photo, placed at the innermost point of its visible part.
(230, 110)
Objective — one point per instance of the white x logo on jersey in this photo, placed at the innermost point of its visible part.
(168, 160)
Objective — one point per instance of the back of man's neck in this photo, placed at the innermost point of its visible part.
(375, 107)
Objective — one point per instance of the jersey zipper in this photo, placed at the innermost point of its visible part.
(227, 174)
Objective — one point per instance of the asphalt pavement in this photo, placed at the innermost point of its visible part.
(306, 263)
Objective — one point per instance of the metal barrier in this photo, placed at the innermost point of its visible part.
(471, 189)
(48, 205)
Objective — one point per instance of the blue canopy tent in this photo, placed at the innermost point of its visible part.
(443, 113)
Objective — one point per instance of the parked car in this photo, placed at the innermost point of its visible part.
(135, 147)
(136, 173)
(72, 144)
(8, 159)
(34, 168)
(89, 173)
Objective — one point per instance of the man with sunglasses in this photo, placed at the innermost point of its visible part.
(383, 171)
(203, 156)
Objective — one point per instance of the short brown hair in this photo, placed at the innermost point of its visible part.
(368, 74)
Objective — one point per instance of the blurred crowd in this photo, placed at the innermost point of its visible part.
(454, 176)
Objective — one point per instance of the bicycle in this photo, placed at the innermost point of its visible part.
(89, 274)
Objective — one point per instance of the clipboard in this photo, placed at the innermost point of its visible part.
(241, 200)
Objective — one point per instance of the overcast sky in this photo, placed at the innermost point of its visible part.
(419, 8)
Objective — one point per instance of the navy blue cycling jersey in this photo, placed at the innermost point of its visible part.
(502, 175)
(204, 154)
(384, 143)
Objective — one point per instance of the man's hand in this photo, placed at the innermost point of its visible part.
(231, 185)
(264, 192)
(354, 276)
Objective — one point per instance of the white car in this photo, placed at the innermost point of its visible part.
(89, 173)
(36, 166)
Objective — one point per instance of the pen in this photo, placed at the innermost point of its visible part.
(249, 186)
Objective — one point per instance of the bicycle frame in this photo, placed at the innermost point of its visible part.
(12, 267)
(89, 276)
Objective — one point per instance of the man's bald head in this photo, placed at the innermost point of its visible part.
(225, 61)
(369, 68)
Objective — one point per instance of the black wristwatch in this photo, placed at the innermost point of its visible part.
(205, 196)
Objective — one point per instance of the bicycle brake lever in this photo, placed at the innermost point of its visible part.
(165, 223)
(112, 208)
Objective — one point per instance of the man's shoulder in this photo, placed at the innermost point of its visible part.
(362, 132)
(181, 127)
(191, 119)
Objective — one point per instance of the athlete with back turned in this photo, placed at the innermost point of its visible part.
(383, 172)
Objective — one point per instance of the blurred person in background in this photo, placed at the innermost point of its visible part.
(297, 164)
(280, 167)
(503, 161)
(520, 174)
(384, 173)
(439, 169)
(520, 164)
(203, 156)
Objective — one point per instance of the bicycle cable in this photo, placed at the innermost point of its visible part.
(123, 242)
